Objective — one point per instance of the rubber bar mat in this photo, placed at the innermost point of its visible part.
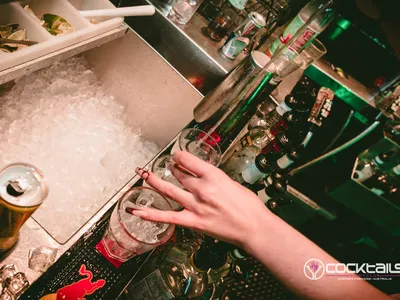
(86, 271)
(259, 285)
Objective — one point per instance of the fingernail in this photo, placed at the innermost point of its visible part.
(142, 173)
(130, 210)
(135, 211)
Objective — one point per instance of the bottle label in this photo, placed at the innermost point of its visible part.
(282, 108)
(239, 4)
(251, 174)
(246, 141)
(289, 32)
(151, 287)
(233, 48)
(378, 160)
(284, 162)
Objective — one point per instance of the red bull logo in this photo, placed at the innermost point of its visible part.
(78, 290)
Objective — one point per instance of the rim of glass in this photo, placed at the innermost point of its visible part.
(123, 225)
(319, 46)
(200, 131)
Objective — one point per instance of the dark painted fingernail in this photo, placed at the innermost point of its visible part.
(135, 212)
(130, 210)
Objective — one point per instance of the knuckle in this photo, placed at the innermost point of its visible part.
(169, 191)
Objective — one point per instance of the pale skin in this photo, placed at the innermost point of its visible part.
(222, 208)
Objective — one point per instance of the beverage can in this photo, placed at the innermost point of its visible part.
(22, 190)
(241, 37)
(233, 48)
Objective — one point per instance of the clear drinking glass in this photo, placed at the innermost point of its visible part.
(128, 235)
(285, 65)
(183, 10)
(194, 141)
(313, 52)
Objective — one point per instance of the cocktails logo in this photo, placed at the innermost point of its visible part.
(314, 269)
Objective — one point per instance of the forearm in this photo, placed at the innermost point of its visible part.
(284, 251)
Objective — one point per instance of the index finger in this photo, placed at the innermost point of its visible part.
(192, 163)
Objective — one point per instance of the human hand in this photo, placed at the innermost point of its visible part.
(214, 204)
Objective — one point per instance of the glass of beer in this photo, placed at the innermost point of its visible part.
(22, 190)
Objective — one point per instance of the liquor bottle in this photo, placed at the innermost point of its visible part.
(176, 276)
(388, 98)
(319, 112)
(249, 95)
(275, 204)
(221, 274)
(282, 142)
(245, 151)
(263, 165)
(267, 120)
(317, 13)
(367, 170)
(274, 188)
(218, 101)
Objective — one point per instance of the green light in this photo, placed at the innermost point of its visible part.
(341, 26)
(343, 23)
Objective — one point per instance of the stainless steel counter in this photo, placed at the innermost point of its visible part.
(151, 92)
(194, 55)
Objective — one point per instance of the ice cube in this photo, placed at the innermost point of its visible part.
(41, 258)
(7, 271)
(18, 284)
(145, 200)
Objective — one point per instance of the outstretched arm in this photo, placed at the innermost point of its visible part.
(222, 208)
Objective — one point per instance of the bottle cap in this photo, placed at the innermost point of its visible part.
(381, 158)
(264, 162)
(285, 105)
(239, 254)
(278, 188)
(258, 19)
(258, 169)
(294, 117)
(396, 170)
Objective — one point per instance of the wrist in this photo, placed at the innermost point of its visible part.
(259, 231)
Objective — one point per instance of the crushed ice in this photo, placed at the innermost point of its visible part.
(61, 120)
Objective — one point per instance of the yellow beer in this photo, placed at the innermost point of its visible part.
(22, 190)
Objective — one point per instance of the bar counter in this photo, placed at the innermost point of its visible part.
(153, 93)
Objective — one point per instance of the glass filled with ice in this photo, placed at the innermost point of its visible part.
(128, 235)
(195, 141)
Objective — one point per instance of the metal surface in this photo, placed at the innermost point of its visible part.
(194, 55)
(185, 47)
